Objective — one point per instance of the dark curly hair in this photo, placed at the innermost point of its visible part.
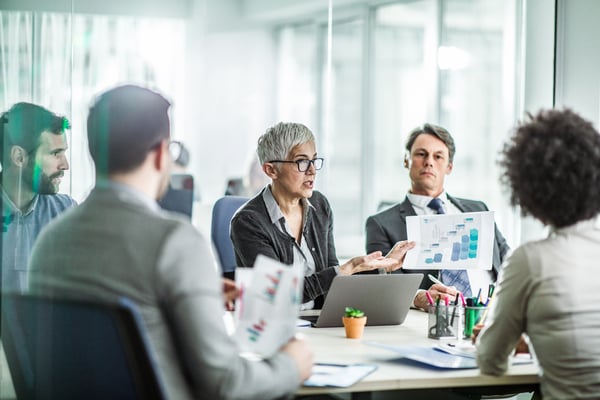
(552, 168)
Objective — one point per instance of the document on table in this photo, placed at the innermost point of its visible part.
(429, 356)
(468, 349)
(338, 375)
(464, 349)
(302, 323)
(451, 241)
(443, 356)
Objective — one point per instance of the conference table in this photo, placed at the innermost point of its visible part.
(331, 346)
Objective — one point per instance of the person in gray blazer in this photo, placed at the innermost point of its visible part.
(429, 158)
(119, 242)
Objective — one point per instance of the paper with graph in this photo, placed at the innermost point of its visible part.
(451, 241)
(267, 309)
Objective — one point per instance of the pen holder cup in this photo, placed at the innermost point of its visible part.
(473, 315)
(445, 322)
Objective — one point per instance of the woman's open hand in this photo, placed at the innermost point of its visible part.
(376, 260)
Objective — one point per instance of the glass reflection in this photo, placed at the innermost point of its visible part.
(343, 146)
(231, 73)
(447, 63)
(33, 163)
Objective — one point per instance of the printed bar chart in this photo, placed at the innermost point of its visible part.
(451, 241)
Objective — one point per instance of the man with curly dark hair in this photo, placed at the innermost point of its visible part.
(548, 289)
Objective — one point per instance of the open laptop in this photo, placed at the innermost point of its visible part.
(385, 299)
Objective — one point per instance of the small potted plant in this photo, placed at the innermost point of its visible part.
(354, 322)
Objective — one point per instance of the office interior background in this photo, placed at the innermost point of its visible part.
(360, 73)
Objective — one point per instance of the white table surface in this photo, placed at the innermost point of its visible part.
(331, 346)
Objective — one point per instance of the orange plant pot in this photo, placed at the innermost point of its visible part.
(354, 326)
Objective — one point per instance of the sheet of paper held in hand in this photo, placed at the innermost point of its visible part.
(266, 312)
(451, 241)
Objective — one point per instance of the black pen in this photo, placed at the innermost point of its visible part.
(454, 311)
(448, 328)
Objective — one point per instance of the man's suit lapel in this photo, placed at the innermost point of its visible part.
(406, 209)
(457, 203)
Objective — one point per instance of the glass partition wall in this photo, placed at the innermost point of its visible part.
(396, 66)
(393, 66)
(61, 60)
(235, 67)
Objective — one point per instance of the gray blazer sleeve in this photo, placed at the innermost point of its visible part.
(190, 289)
(507, 319)
(377, 238)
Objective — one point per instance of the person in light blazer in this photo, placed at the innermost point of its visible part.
(429, 158)
(548, 289)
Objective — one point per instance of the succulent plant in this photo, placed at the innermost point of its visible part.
(351, 312)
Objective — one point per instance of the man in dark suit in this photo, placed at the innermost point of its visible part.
(430, 152)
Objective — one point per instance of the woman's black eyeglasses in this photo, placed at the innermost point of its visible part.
(303, 165)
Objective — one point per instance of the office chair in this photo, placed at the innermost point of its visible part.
(222, 213)
(70, 349)
(180, 195)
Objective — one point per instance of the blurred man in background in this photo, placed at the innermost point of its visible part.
(33, 163)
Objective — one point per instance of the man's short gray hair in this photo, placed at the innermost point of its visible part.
(279, 140)
(435, 130)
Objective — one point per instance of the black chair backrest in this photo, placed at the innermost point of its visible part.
(179, 197)
(70, 349)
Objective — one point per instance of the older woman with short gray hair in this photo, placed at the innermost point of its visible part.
(291, 222)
